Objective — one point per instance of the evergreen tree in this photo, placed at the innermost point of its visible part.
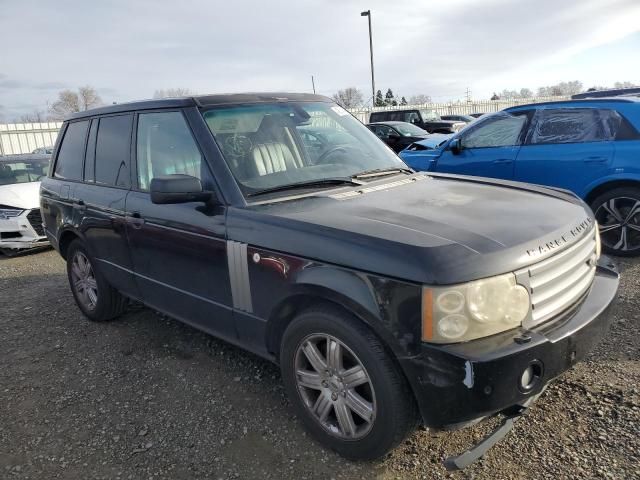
(403, 101)
(388, 98)
(379, 100)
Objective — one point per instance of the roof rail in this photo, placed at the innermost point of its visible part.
(613, 92)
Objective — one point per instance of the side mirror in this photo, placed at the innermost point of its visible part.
(455, 146)
(178, 189)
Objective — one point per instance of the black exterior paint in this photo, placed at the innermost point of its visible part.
(370, 253)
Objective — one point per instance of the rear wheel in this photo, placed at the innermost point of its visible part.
(98, 300)
(618, 214)
(346, 388)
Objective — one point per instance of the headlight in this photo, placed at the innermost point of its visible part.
(458, 313)
(10, 212)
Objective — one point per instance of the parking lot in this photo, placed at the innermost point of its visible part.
(148, 397)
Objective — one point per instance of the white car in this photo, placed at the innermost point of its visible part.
(20, 220)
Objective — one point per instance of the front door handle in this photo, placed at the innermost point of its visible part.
(80, 205)
(503, 160)
(135, 220)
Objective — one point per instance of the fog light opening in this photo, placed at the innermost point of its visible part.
(531, 376)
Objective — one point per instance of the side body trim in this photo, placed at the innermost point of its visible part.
(239, 275)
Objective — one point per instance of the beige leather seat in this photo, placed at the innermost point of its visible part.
(272, 158)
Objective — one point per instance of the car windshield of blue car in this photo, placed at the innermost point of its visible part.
(408, 130)
(21, 170)
(271, 145)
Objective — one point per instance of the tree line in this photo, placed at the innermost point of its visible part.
(87, 97)
(352, 97)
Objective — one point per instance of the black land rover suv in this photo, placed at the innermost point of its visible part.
(388, 297)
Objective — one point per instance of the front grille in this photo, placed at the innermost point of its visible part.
(557, 283)
(35, 219)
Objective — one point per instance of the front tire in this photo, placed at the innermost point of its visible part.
(98, 300)
(618, 214)
(345, 387)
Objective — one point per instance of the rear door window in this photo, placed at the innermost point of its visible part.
(71, 155)
(571, 125)
(113, 151)
(165, 146)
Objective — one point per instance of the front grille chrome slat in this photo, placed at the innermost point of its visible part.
(557, 283)
(559, 270)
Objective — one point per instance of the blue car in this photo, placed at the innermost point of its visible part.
(591, 147)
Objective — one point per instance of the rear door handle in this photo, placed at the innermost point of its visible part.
(503, 160)
(596, 159)
(135, 220)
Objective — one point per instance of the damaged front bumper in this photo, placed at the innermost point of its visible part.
(23, 231)
(455, 385)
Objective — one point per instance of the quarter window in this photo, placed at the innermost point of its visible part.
(572, 125)
(165, 146)
(500, 131)
(113, 151)
(71, 156)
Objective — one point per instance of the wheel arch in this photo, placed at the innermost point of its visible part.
(66, 237)
(597, 190)
(347, 291)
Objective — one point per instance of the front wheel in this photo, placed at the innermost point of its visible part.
(346, 388)
(618, 215)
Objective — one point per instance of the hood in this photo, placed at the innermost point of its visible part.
(435, 140)
(429, 229)
(20, 195)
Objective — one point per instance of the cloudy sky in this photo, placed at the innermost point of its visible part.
(128, 49)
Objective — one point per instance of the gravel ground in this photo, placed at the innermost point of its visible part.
(146, 397)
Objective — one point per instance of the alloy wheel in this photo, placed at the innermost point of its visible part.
(335, 387)
(619, 222)
(84, 281)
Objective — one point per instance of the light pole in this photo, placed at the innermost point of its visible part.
(373, 81)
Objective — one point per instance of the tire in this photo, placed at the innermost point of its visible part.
(106, 302)
(392, 413)
(618, 214)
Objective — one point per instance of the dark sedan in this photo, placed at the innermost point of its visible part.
(398, 135)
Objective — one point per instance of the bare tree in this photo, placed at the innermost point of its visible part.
(173, 93)
(526, 93)
(350, 97)
(88, 98)
(70, 102)
(36, 116)
(562, 88)
(624, 85)
(419, 99)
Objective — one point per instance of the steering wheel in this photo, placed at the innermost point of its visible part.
(238, 145)
(324, 157)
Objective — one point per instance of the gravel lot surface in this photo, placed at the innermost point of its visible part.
(146, 397)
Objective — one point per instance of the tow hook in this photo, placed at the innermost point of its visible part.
(459, 462)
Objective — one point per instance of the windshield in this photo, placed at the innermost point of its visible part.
(271, 145)
(409, 130)
(22, 171)
(430, 116)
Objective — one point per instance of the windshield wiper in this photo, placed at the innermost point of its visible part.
(322, 182)
(379, 172)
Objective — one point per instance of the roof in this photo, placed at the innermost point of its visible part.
(25, 157)
(587, 101)
(202, 101)
(390, 122)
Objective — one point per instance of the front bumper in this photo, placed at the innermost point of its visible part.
(23, 231)
(460, 383)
